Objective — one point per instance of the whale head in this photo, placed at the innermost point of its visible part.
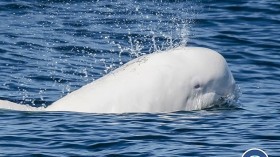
(211, 82)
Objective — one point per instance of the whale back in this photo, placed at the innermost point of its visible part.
(4, 104)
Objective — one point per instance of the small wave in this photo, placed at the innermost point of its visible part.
(70, 49)
(14, 7)
(230, 101)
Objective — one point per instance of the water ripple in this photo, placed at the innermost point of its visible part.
(51, 47)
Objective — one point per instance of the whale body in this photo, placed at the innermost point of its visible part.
(180, 79)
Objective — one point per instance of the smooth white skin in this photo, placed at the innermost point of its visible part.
(184, 78)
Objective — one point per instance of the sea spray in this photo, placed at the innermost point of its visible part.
(73, 43)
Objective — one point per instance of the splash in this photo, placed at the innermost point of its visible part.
(67, 44)
(151, 27)
(230, 101)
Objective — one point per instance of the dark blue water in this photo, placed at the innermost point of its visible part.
(49, 48)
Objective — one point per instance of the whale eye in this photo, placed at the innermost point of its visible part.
(196, 86)
(196, 83)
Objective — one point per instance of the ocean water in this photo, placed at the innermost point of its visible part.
(49, 48)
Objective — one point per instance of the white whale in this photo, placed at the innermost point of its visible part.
(180, 79)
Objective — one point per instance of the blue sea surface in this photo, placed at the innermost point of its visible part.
(49, 48)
